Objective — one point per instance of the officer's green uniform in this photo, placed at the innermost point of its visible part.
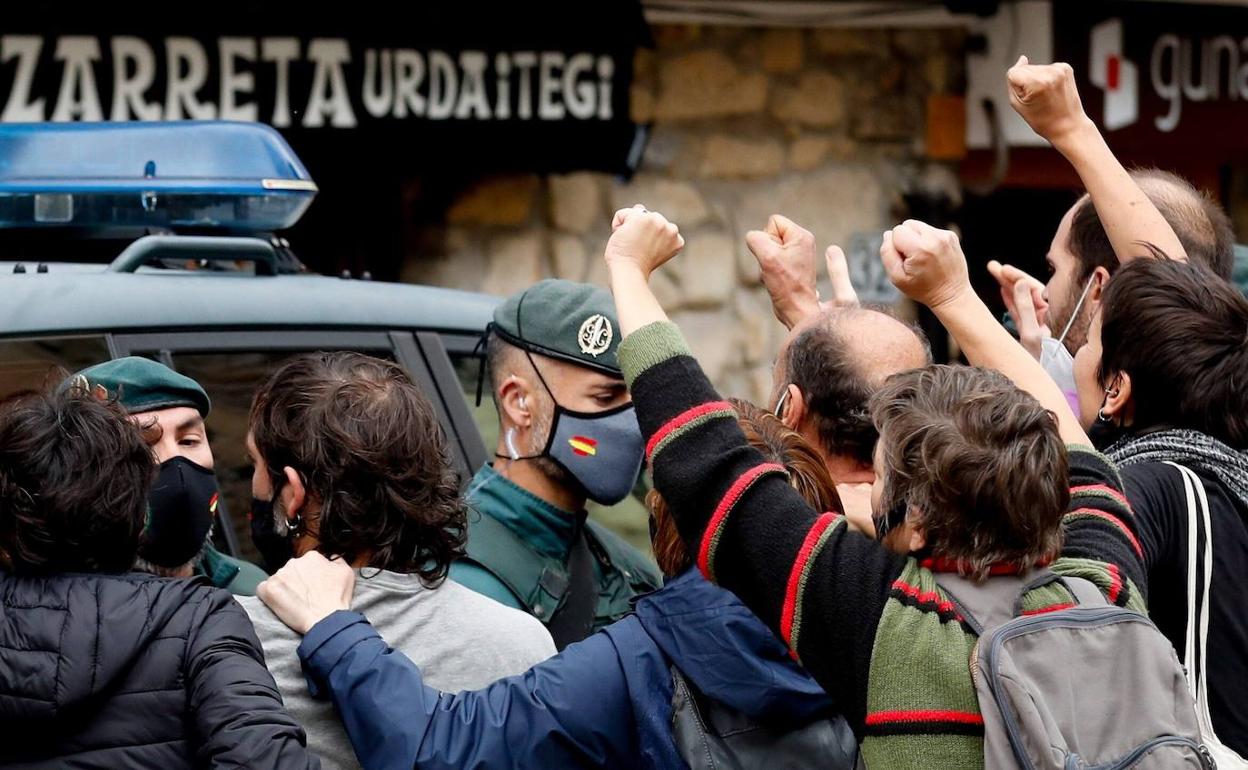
(519, 546)
(142, 385)
(234, 575)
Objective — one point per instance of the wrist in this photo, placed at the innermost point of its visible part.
(626, 270)
(961, 299)
(1082, 132)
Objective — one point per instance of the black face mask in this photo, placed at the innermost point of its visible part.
(893, 518)
(274, 548)
(180, 511)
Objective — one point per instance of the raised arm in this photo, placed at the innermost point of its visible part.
(928, 266)
(819, 586)
(1047, 98)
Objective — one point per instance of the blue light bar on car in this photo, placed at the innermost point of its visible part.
(187, 174)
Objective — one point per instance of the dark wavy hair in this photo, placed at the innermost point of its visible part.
(74, 479)
(979, 461)
(371, 453)
(778, 444)
(1181, 333)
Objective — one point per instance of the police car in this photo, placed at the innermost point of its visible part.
(178, 225)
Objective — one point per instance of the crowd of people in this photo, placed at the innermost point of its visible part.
(892, 564)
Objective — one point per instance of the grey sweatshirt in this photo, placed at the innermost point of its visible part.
(460, 639)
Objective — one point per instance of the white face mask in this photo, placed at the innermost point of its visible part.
(1056, 359)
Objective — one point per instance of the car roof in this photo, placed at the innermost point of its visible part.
(76, 298)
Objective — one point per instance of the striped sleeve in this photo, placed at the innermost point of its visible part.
(1101, 537)
(821, 587)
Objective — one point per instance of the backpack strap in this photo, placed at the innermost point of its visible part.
(1085, 592)
(988, 604)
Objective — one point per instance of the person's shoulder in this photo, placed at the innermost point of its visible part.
(638, 569)
(477, 579)
(495, 622)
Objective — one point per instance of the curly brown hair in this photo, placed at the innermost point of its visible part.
(372, 455)
(74, 479)
(979, 461)
(778, 444)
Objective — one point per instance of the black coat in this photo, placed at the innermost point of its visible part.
(133, 671)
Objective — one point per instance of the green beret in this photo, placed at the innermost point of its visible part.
(142, 385)
(573, 322)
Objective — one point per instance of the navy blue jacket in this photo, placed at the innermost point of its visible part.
(603, 702)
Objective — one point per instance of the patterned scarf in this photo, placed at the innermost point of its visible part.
(1186, 447)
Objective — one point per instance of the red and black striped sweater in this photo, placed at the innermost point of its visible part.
(872, 627)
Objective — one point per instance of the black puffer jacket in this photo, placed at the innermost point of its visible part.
(133, 671)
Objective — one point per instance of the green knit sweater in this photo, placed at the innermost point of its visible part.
(874, 628)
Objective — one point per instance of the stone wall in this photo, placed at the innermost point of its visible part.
(824, 126)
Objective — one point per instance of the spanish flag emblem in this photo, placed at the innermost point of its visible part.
(583, 446)
(212, 504)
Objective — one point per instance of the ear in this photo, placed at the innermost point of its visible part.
(1118, 397)
(794, 408)
(515, 399)
(1100, 280)
(294, 494)
(917, 536)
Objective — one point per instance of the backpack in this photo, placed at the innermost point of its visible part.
(1087, 686)
(712, 736)
(1199, 529)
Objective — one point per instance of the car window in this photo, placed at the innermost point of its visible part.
(38, 363)
(627, 518)
(231, 379)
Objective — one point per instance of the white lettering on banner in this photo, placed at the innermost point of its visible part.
(409, 68)
(187, 71)
(502, 65)
(128, 90)
(234, 83)
(378, 82)
(247, 72)
(329, 85)
(523, 61)
(280, 51)
(19, 108)
(443, 85)
(1197, 70)
(547, 107)
(472, 97)
(78, 98)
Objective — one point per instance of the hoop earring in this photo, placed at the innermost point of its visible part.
(294, 526)
(1100, 416)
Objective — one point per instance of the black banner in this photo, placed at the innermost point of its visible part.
(1166, 79)
(541, 87)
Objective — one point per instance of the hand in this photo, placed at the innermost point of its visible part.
(843, 294)
(856, 499)
(308, 589)
(641, 239)
(786, 256)
(1046, 97)
(1024, 299)
(926, 264)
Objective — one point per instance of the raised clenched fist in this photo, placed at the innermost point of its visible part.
(1046, 97)
(642, 239)
(925, 264)
(786, 259)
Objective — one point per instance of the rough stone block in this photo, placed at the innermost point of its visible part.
(818, 99)
(504, 200)
(783, 51)
(707, 84)
(568, 258)
(576, 201)
(728, 157)
(514, 262)
(707, 269)
(680, 202)
(712, 339)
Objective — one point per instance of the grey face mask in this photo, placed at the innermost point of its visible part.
(603, 451)
(1056, 359)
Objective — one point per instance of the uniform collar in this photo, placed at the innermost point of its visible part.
(549, 529)
(216, 568)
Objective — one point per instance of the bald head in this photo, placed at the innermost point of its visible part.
(837, 360)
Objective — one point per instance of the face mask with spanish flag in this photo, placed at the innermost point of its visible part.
(602, 450)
